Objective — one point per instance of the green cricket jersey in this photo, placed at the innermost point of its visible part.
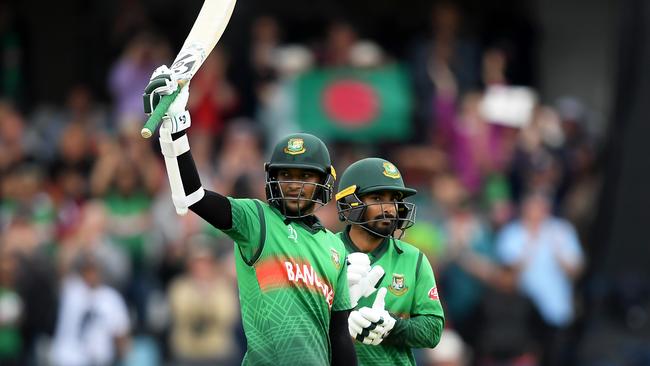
(412, 294)
(290, 276)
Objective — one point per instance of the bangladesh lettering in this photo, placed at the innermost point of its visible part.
(305, 274)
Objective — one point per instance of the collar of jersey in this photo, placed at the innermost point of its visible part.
(375, 254)
(311, 222)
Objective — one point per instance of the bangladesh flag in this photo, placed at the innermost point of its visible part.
(349, 104)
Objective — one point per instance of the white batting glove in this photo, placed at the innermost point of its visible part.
(371, 325)
(164, 82)
(177, 117)
(362, 279)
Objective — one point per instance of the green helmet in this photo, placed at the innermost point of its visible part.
(373, 175)
(301, 151)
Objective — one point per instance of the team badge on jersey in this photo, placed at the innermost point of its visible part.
(398, 287)
(391, 171)
(433, 293)
(295, 146)
(336, 259)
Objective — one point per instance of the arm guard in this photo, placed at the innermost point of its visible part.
(187, 191)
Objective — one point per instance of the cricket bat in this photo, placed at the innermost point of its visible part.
(206, 31)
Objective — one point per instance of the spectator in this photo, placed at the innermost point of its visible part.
(535, 163)
(341, 38)
(12, 54)
(508, 323)
(90, 233)
(238, 165)
(126, 177)
(443, 66)
(130, 73)
(265, 42)
(93, 323)
(49, 123)
(277, 110)
(548, 258)
(36, 283)
(11, 312)
(13, 147)
(213, 97)
(204, 313)
(27, 201)
(451, 351)
(69, 171)
(465, 234)
(75, 154)
(476, 148)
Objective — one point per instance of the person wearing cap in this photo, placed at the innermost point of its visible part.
(291, 271)
(405, 312)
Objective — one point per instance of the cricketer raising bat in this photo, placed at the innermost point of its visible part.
(206, 31)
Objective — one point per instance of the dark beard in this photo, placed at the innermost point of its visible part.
(377, 231)
(307, 209)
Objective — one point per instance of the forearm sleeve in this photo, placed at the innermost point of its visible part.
(343, 352)
(211, 206)
(421, 331)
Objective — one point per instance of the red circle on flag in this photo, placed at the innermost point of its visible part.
(350, 102)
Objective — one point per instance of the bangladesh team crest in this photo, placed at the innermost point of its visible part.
(336, 259)
(397, 286)
(295, 146)
(391, 171)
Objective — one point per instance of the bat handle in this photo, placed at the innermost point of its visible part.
(157, 115)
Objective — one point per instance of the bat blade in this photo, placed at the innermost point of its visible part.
(204, 35)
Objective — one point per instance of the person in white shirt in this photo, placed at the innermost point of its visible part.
(548, 257)
(93, 323)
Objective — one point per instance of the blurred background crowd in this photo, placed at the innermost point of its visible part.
(95, 266)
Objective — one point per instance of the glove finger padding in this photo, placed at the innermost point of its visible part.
(367, 326)
(162, 82)
(357, 323)
(360, 270)
(357, 319)
(359, 259)
(371, 315)
(371, 340)
(371, 325)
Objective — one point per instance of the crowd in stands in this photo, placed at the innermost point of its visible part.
(95, 265)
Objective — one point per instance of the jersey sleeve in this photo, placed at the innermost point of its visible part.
(342, 293)
(247, 223)
(426, 301)
(423, 331)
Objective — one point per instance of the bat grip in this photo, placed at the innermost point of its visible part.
(157, 115)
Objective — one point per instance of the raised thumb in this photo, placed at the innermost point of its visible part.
(380, 302)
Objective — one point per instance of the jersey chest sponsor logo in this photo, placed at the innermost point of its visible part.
(398, 285)
(433, 293)
(304, 274)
